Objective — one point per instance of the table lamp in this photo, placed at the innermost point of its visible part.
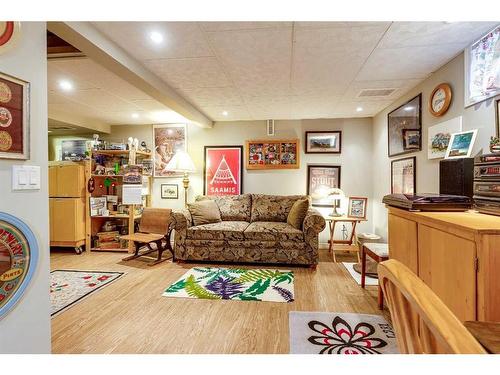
(337, 195)
(182, 162)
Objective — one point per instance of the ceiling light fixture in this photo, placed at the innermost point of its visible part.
(65, 85)
(224, 113)
(359, 109)
(156, 37)
(135, 115)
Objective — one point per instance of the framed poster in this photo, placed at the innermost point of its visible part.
(223, 170)
(482, 68)
(328, 142)
(14, 118)
(320, 179)
(461, 144)
(169, 191)
(439, 137)
(167, 139)
(357, 207)
(18, 260)
(404, 127)
(403, 176)
(271, 154)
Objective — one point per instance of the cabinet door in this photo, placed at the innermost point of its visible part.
(53, 181)
(67, 221)
(71, 181)
(447, 266)
(403, 245)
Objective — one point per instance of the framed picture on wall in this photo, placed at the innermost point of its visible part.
(404, 127)
(167, 140)
(273, 154)
(169, 191)
(320, 180)
(403, 176)
(14, 118)
(223, 170)
(439, 137)
(318, 142)
(357, 207)
(461, 144)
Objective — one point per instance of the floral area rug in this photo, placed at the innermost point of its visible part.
(339, 333)
(234, 284)
(68, 287)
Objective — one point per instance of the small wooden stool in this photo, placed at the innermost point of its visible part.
(378, 252)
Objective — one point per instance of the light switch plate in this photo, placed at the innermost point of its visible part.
(25, 177)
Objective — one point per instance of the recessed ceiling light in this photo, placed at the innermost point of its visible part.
(65, 85)
(359, 109)
(409, 108)
(135, 115)
(224, 113)
(156, 37)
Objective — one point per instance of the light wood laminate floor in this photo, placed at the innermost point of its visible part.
(131, 316)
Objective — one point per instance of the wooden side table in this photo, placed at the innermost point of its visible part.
(348, 243)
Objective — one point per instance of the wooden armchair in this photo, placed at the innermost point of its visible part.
(154, 228)
(422, 322)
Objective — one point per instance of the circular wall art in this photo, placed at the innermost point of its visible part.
(440, 99)
(9, 32)
(18, 259)
(5, 117)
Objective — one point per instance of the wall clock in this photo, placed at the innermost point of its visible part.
(18, 259)
(440, 100)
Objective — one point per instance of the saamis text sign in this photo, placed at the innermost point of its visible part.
(18, 259)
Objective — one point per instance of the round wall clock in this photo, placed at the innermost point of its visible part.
(18, 259)
(440, 100)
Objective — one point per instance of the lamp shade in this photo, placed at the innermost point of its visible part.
(181, 162)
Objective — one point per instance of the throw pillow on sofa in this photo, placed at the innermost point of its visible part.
(204, 212)
(297, 213)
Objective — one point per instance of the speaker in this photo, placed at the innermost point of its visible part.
(456, 176)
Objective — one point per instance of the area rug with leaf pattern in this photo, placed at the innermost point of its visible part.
(68, 287)
(234, 284)
(340, 333)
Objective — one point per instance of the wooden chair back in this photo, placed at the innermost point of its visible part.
(155, 220)
(422, 322)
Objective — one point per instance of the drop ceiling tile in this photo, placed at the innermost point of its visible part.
(55, 75)
(212, 96)
(190, 73)
(406, 63)
(233, 113)
(258, 61)
(181, 39)
(401, 87)
(369, 108)
(232, 26)
(405, 34)
(334, 24)
(102, 100)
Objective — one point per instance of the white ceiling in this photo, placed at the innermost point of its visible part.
(264, 70)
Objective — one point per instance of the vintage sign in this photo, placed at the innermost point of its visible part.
(320, 180)
(223, 170)
(18, 257)
(14, 110)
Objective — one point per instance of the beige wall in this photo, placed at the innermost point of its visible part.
(26, 328)
(480, 116)
(356, 172)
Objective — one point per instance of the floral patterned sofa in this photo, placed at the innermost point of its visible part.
(253, 229)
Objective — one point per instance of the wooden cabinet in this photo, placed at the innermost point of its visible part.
(67, 221)
(457, 254)
(67, 179)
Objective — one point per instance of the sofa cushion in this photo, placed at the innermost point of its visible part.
(297, 213)
(232, 207)
(273, 207)
(225, 230)
(272, 231)
(204, 212)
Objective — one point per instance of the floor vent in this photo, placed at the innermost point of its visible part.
(375, 93)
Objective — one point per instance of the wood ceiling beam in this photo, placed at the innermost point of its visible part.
(96, 46)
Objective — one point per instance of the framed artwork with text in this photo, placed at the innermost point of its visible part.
(223, 170)
(14, 118)
(320, 180)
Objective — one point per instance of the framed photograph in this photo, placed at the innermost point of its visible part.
(461, 144)
(404, 176)
(271, 154)
(14, 118)
(482, 68)
(439, 137)
(320, 179)
(411, 139)
(169, 191)
(405, 120)
(318, 142)
(168, 139)
(223, 170)
(357, 207)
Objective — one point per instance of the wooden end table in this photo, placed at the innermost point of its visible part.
(348, 243)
